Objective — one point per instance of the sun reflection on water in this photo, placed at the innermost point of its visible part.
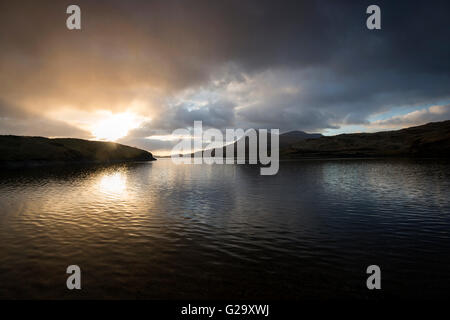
(113, 183)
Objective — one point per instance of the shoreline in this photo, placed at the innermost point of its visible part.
(47, 163)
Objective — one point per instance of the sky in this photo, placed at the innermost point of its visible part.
(138, 70)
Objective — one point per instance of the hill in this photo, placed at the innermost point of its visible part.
(18, 150)
(292, 137)
(285, 141)
(429, 140)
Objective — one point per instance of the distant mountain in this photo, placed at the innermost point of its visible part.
(17, 150)
(285, 141)
(429, 140)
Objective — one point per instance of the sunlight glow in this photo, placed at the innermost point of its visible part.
(115, 126)
(113, 183)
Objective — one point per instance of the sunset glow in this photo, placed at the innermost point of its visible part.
(115, 126)
(224, 158)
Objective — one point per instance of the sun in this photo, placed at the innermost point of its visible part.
(115, 126)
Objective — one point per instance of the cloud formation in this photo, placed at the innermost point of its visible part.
(414, 118)
(308, 65)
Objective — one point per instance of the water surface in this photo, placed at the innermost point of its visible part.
(161, 231)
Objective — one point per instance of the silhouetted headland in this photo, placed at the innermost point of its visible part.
(28, 151)
(285, 140)
(429, 140)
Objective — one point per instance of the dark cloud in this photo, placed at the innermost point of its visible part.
(219, 114)
(279, 64)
